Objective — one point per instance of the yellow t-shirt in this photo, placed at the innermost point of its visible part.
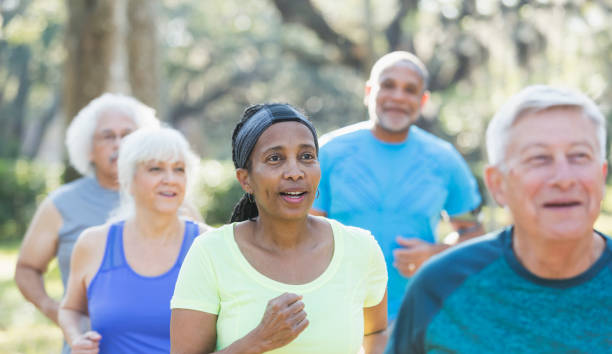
(216, 278)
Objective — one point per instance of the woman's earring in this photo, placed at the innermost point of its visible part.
(250, 198)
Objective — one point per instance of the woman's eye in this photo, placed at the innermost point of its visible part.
(180, 169)
(273, 158)
(154, 169)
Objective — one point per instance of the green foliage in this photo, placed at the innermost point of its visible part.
(31, 58)
(216, 191)
(219, 57)
(222, 204)
(23, 184)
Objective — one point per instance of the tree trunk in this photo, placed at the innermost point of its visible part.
(142, 40)
(90, 39)
(112, 47)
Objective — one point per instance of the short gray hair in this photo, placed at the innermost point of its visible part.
(150, 144)
(534, 99)
(79, 135)
(391, 59)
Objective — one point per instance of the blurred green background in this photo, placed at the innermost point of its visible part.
(200, 63)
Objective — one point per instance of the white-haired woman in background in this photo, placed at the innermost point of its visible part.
(92, 141)
(123, 273)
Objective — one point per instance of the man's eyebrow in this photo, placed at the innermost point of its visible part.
(585, 143)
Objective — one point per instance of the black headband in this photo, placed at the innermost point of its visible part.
(253, 128)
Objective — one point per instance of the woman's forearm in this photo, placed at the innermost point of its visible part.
(375, 343)
(244, 345)
(71, 322)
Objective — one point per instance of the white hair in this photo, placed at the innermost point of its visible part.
(534, 99)
(391, 59)
(79, 135)
(144, 145)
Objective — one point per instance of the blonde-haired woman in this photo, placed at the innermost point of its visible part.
(123, 272)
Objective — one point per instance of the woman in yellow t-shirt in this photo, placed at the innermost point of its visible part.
(278, 279)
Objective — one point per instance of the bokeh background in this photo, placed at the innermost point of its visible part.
(200, 63)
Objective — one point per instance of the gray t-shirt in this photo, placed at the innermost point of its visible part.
(82, 203)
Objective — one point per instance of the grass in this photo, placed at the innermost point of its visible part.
(23, 329)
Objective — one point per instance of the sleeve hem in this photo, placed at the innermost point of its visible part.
(373, 301)
(194, 305)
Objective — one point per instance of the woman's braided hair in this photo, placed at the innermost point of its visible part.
(245, 209)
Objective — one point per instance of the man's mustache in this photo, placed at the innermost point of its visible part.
(113, 157)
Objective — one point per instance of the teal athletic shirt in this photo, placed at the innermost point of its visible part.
(393, 189)
(478, 298)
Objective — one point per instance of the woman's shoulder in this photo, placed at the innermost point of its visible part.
(93, 238)
(351, 235)
(361, 252)
(211, 237)
(202, 226)
(350, 231)
(89, 250)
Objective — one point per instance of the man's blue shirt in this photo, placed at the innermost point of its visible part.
(393, 189)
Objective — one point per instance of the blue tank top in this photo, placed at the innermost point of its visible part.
(129, 310)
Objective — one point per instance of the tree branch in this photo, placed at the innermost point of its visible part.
(394, 30)
(303, 12)
(182, 110)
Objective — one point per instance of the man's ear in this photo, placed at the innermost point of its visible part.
(425, 98)
(366, 93)
(494, 179)
(242, 175)
(604, 172)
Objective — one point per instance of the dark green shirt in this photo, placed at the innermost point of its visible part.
(478, 298)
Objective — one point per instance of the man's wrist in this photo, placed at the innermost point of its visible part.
(50, 307)
(464, 231)
(438, 247)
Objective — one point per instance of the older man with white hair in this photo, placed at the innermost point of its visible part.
(92, 141)
(389, 176)
(543, 284)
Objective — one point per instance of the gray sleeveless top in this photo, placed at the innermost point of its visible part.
(82, 203)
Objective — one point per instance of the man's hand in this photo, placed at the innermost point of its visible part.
(412, 254)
